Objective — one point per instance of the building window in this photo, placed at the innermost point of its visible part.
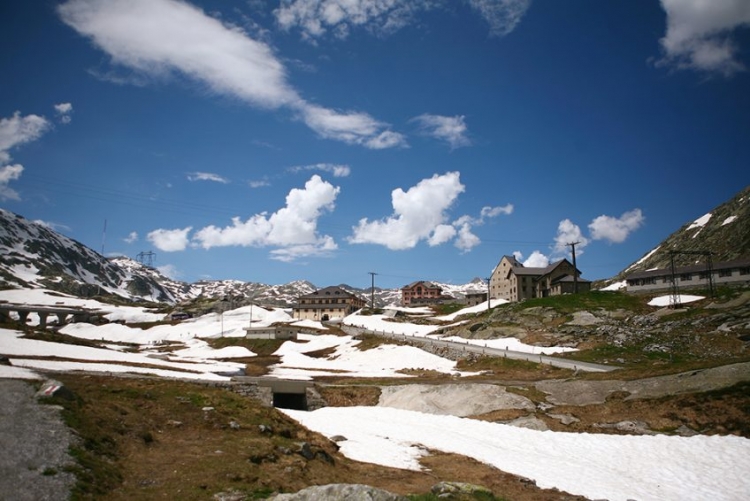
(744, 271)
(725, 273)
(685, 277)
(649, 281)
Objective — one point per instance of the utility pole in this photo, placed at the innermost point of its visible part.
(488, 293)
(575, 268)
(372, 290)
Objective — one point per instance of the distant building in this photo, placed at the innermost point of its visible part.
(735, 272)
(281, 331)
(421, 292)
(475, 298)
(513, 281)
(326, 304)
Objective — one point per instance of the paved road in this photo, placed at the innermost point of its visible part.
(34, 443)
(473, 348)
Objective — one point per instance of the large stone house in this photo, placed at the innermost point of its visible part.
(327, 304)
(513, 281)
(421, 292)
(735, 272)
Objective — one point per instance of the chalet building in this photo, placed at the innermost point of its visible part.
(421, 292)
(735, 272)
(327, 304)
(513, 281)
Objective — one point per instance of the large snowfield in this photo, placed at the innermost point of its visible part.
(596, 466)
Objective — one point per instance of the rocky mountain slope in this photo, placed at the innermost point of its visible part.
(34, 255)
(725, 232)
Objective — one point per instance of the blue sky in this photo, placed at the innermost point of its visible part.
(324, 139)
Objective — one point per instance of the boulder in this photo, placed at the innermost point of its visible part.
(337, 492)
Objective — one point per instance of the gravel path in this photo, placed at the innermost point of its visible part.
(34, 443)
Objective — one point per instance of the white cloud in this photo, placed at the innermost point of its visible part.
(536, 260)
(698, 34)
(169, 271)
(18, 130)
(335, 169)
(63, 112)
(316, 18)
(350, 127)
(207, 176)
(496, 211)
(569, 233)
(616, 230)
(452, 130)
(132, 237)
(502, 15)
(156, 38)
(170, 240)
(293, 227)
(441, 234)
(9, 173)
(258, 184)
(466, 240)
(418, 213)
(322, 248)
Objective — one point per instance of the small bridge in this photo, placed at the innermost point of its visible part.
(63, 313)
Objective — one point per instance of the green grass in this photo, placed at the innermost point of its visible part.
(570, 303)
(262, 347)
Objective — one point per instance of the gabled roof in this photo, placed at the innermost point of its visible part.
(538, 272)
(425, 283)
(569, 279)
(328, 292)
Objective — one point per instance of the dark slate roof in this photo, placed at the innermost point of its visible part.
(427, 284)
(694, 268)
(328, 292)
(569, 278)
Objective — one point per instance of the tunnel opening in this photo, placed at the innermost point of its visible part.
(293, 401)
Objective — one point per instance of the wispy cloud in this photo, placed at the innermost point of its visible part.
(159, 37)
(15, 131)
(18, 130)
(699, 32)
(207, 176)
(52, 226)
(336, 170)
(502, 15)
(452, 130)
(318, 18)
(259, 183)
(131, 238)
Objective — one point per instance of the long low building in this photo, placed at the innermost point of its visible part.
(735, 272)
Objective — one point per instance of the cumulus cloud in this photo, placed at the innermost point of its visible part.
(616, 230)
(335, 169)
(316, 18)
(535, 260)
(452, 130)
(131, 238)
(170, 240)
(63, 112)
(293, 227)
(156, 38)
(421, 214)
(418, 212)
(569, 233)
(699, 32)
(207, 176)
